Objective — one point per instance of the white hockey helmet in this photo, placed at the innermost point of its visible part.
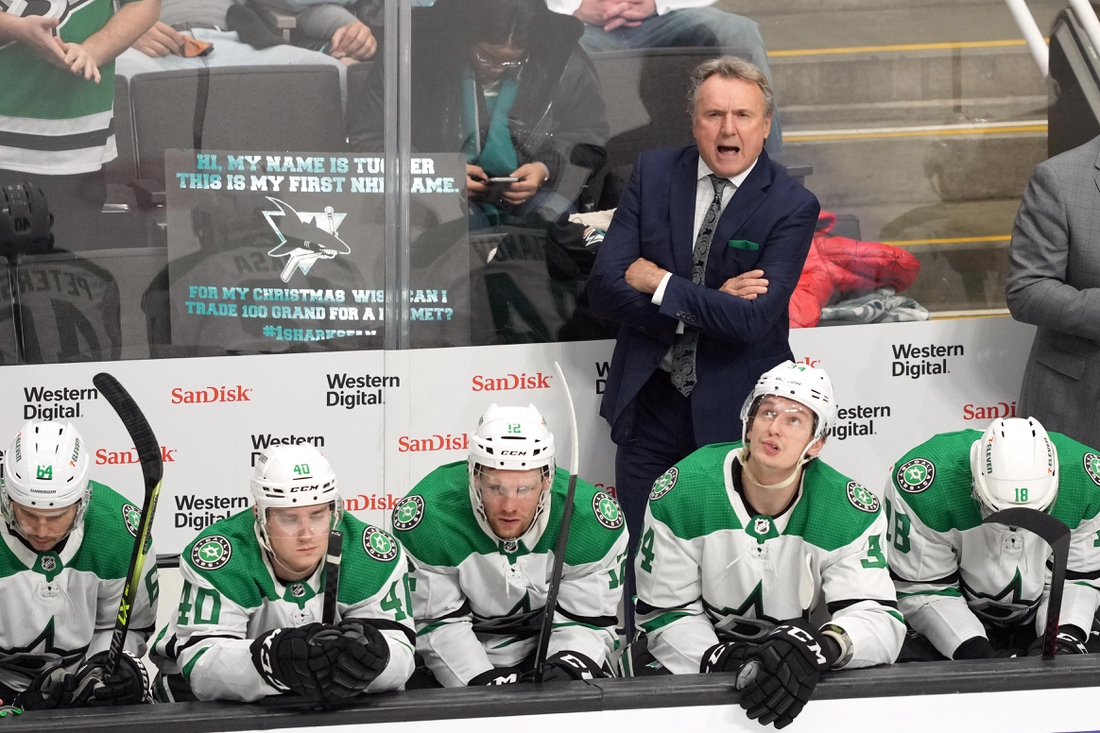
(1014, 463)
(46, 468)
(293, 476)
(802, 383)
(512, 439)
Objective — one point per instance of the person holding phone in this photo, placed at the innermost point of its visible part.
(506, 83)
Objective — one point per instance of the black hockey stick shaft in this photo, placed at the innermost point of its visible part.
(1056, 534)
(152, 468)
(332, 575)
(563, 539)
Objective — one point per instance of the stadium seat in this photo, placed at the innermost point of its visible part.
(9, 343)
(85, 307)
(244, 108)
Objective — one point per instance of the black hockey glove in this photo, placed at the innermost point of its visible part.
(791, 659)
(978, 647)
(566, 666)
(726, 656)
(356, 652)
(287, 660)
(1070, 640)
(499, 676)
(129, 685)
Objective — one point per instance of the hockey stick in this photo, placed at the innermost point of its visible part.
(563, 538)
(1057, 535)
(152, 467)
(332, 575)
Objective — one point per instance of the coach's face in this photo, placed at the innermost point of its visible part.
(730, 124)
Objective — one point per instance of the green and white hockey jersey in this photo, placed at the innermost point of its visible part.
(231, 596)
(63, 603)
(954, 574)
(706, 565)
(479, 600)
(52, 121)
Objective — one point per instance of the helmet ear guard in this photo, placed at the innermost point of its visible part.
(1014, 464)
(47, 468)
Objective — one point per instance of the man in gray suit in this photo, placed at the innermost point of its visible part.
(1054, 282)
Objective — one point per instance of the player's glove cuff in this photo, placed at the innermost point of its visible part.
(726, 656)
(814, 646)
(1070, 640)
(498, 676)
(566, 665)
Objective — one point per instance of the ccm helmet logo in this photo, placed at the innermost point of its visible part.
(513, 452)
(311, 487)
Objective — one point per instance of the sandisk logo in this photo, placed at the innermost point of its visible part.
(211, 394)
(809, 361)
(537, 380)
(104, 457)
(433, 443)
(989, 412)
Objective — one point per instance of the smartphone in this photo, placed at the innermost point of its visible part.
(502, 179)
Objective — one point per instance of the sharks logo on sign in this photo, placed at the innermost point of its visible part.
(304, 236)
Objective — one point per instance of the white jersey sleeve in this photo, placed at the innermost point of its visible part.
(1081, 592)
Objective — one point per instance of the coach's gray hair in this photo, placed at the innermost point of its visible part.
(731, 67)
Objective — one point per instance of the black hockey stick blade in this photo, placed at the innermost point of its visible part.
(1056, 534)
(152, 468)
(563, 539)
(332, 575)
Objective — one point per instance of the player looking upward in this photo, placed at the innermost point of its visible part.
(481, 534)
(758, 551)
(250, 613)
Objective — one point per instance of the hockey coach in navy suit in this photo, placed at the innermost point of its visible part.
(698, 265)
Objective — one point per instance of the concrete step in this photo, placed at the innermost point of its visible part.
(1004, 72)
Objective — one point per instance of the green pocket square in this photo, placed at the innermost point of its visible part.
(743, 244)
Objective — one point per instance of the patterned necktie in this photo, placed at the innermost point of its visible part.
(685, 344)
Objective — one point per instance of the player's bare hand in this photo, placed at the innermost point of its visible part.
(531, 176)
(79, 61)
(644, 276)
(747, 285)
(476, 186)
(353, 40)
(160, 40)
(37, 32)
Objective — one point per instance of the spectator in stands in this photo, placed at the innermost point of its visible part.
(505, 83)
(1053, 281)
(616, 25)
(329, 34)
(56, 106)
(689, 349)
(971, 590)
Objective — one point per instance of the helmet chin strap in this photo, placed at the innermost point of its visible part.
(796, 473)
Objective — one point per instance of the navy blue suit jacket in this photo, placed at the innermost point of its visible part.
(768, 225)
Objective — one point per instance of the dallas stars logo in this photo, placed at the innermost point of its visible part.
(41, 653)
(379, 545)
(1092, 467)
(607, 510)
(304, 236)
(211, 553)
(861, 498)
(131, 517)
(916, 475)
(408, 513)
(664, 484)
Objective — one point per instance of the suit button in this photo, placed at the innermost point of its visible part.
(656, 361)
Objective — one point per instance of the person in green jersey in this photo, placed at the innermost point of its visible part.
(250, 620)
(970, 590)
(758, 552)
(65, 546)
(56, 108)
(481, 534)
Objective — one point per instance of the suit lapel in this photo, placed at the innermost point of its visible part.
(683, 183)
(1097, 164)
(749, 195)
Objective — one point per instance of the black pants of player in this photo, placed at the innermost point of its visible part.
(76, 202)
(663, 436)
